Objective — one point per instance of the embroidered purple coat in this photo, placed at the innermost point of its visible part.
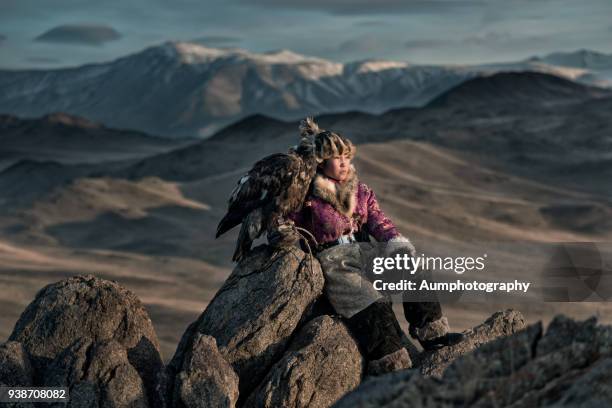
(333, 209)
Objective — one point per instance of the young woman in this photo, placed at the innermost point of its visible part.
(341, 210)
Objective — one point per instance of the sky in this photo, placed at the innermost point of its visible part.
(61, 33)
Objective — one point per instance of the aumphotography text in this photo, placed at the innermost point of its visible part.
(458, 286)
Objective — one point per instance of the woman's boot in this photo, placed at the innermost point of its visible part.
(428, 326)
(375, 329)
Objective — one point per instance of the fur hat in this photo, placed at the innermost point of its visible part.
(327, 144)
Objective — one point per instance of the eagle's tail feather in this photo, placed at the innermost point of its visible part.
(227, 223)
(251, 229)
(242, 247)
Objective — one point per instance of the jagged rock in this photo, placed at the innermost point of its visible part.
(501, 323)
(538, 374)
(255, 312)
(206, 379)
(15, 370)
(385, 390)
(15, 367)
(380, 391)
(98, 375)
(568, 366)
(475, 375)
(86, 307)
(592, 389)
(322, 364)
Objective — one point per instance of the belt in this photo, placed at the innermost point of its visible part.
(344, 239)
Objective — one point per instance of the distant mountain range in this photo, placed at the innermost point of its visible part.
(534, 125)
(40, 153)
(512, 154)
(180, 89)
(69, 139)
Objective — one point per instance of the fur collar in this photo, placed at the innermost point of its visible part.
(342, 196)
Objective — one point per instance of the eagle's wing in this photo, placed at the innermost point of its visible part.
(260, 186)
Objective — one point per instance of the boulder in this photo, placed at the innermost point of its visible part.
(502, 323)
(15, 370)
(570, 365)
(15, 367)
(98, 374)
(205, 379)
(86, 307)
(255, 312)
(382, 391)
(322, 364)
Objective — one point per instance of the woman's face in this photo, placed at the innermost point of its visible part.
(337, 167)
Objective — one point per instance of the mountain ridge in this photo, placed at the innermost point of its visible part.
(181, 89)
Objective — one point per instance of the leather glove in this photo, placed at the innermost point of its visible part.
(284, 234)
(399, 244)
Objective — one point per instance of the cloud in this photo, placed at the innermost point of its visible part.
(84, 34)
(216, 40)
(368, 7)
(488, 38)
(43, 60)
(426, 43)
(370, 23)
(496, 39)
(485, 40)
(364, 44)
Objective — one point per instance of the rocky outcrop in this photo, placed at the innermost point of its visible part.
(15, 370)
(570, 365)
(85, 313)
(268, 338)
(321, 365)
(98, 374)
(500, 324)
(15, 367)
(206, 379)
(256, 311)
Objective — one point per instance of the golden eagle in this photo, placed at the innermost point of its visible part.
(275, 187)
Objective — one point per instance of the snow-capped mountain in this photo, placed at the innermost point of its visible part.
(586, 59)
(185, 89)
(588, 66)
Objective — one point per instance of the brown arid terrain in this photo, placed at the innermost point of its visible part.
(511, 157)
